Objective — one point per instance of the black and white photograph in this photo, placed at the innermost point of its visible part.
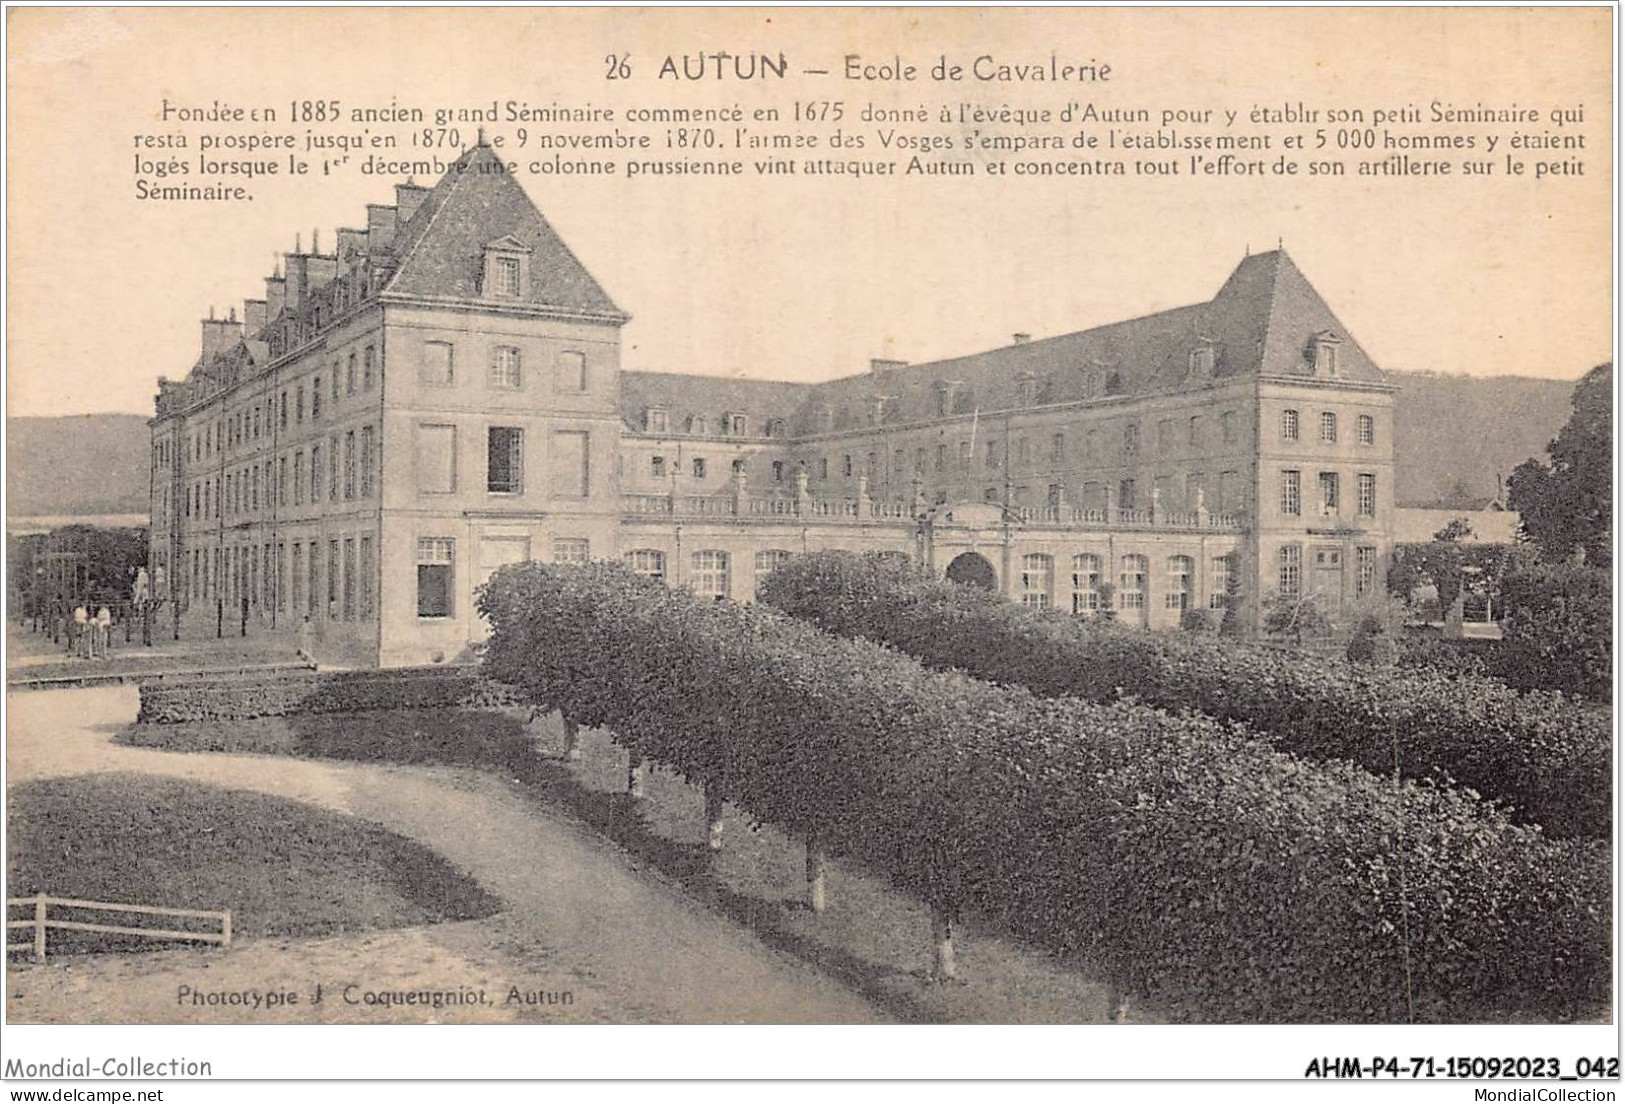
(1090, 525)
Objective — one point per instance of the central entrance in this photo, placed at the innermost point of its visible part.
(972, 569)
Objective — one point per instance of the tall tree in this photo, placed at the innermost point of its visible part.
(1568, 504)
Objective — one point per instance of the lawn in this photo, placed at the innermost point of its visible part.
(871, 937)
(283, 868)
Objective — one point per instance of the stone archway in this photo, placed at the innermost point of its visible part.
(973, 569)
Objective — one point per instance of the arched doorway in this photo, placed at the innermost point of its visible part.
(972, 569)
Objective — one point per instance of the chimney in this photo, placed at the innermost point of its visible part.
(298, 281)
(351, 243)
(253, 316)
(1020, 338)
(380, 225)
(319, 271)
(407, 198)
(219, 333)
(275, 290)
(878, 365)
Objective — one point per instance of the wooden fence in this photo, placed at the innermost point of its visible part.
(42, 921)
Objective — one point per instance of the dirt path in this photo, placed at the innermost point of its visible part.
(580, 916)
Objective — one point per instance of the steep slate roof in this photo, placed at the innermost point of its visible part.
(1262, 321)
(683, 396)
(440, 251)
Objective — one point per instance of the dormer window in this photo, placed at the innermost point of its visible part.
(507, 269)
(945, 399)
(877, 409)
(775, 428)
(1323, 354)
(698, 426)
(736, 425)
(654, 420)
(1027, 389)
(1201, 361)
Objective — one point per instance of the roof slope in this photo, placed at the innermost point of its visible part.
(1262, 321)
(683, 396)
(441, 249)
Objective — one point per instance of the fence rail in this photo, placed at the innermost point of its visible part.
(42, 922)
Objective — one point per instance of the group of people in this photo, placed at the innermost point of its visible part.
(90, 636)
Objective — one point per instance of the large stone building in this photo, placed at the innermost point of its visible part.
(441, 393)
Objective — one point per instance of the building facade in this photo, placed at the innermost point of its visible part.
(441, 393)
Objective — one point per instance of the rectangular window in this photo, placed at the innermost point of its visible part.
(1085, 583)
(1291, 493)
(1193, 489)
(506, 271)
(1328, 492)
(369, 458)
(1181, 582)
(568, 462)
(1126, 497)
(1057, 450)
(778, 471)
(504, 370)
(1289, 425)
(768, 561)
(992, 454)
(349, 578)
(942, 457)
(1037, 580)
(335, 580)
(647, 562)
(316, 399)
(1227, 427)
(314, 590)
(364, 588)
(710, 576)
(1365, 570)
(298, 578)
(299, 478)
(333, 468)
(570, 550)
(349, 375)
(436, 367)
(1291, 571)
(964, 456)
(282, 412)
(1165, 436)
(505, 460)
(1131, 583)
(299, 405)
(823, 469)
(1193, 434)
(437, 459)
(369, 367)
(1367, 495)
(655, 421)
(1368, 429)
(1328, 427)
(282, 481)
(436, 560)
(349, 465)
(1218, 582)
(315, 473)
(1131, 441)
(699, 467)
(570, 371)
(657, 467)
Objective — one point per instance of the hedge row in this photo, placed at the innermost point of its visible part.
(233, 699)
(1187, 863)
(1559, 624)
(1545, 755)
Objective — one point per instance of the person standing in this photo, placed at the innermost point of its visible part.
(81, 632)
(104, 631)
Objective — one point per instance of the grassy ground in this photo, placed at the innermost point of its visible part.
(871, 937)
(282, 867)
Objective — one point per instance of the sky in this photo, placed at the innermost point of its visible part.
(808, 278)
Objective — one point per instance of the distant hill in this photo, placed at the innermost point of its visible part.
(1469, 429)
(79, 465)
